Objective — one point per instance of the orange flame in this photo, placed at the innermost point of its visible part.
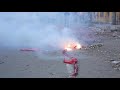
(78, 46)
(70, 47)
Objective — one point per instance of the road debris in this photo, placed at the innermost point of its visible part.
(115, 64)
(96, 45)
(1, 62)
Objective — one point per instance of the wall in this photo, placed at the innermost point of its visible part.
(105, 17)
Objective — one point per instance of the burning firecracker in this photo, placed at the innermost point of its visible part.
(72, 63)
(70, 47)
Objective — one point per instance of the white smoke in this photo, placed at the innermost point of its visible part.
(28, 29)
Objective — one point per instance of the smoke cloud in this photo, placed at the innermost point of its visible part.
(44, 30)
(35, 30)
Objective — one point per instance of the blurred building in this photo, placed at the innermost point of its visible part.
(106, 17)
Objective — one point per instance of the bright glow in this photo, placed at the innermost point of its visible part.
(68, 49)
(74, 46)
(78, 46)
(69, 45)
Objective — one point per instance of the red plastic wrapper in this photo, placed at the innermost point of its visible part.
(29, 49)
(72, 61)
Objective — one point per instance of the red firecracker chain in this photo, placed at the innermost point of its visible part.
(29, 49)
(72, 61)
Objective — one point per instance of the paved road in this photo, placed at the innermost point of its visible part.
(15, 63)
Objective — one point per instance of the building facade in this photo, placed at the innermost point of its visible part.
(106, 17)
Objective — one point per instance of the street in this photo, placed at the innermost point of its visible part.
(94, 62)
